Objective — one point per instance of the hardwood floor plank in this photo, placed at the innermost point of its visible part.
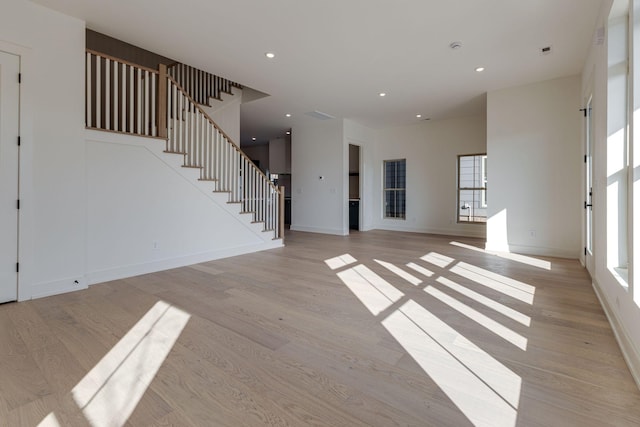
(281, 338)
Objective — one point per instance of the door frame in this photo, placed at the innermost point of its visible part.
(588, 174)
(26, 220)
(16, 182)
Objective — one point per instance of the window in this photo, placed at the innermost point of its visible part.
(394, 192)
(617, 145)
(472, 188)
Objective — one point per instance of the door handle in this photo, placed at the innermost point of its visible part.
(587, 205)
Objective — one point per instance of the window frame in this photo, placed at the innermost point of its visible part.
(399, 215)
(482, 202)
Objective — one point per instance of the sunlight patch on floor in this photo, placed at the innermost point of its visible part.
(372, 290)
(340, 261)
(495, 327)
(50, 421)
(511, 287)
(487, 302)
(484, 390)
(523, 259)
(439, 260)
(109, 393)
(420, 269)
(400, 272)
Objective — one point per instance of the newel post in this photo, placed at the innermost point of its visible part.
(281, 212)
(162, 101)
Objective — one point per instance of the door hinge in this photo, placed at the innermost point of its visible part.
(18, 204)
(585, 158)
(19, 77)
(585, 250)
(19, 141)
(17, 267)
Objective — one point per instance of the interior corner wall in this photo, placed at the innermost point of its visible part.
(318, 156)
(259, 153)
(226, 113)
(52, 168)
(534, 168)
(431, 149)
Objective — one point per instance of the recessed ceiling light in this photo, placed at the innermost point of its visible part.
(418, 116)
(287, 115)
(382, 94)
(253, 139)
(288, 132)
(479, 69)
(270, 55)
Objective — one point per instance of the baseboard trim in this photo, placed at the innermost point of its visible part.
(311, 229)
(545, 251)
(480, 233)
(47, 289)
(182, 261)
(629, 351)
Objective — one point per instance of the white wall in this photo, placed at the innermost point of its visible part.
(259, 153)
(226, 113)
(534, 168)
(431, 149)
(622, 311)
(280, 155)
(52, 175)
(318, 150)
(147, 213)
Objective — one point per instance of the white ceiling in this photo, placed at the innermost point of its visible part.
(335, 56)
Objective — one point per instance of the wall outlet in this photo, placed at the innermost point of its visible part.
(155, 245)
(532, 234)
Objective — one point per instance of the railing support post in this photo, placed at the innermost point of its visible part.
(281, 213)
(162, 101)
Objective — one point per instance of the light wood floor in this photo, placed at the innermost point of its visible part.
(278, 338)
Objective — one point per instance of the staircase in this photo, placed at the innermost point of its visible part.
(165, 104)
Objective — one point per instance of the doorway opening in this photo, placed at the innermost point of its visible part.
(354, 187)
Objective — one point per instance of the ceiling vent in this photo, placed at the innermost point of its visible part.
(319, 115)
(545, 50)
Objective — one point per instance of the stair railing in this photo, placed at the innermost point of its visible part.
(120, 96)
(201, 85)
(192, 133)
(124, 97)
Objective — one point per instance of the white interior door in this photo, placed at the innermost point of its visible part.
(9, 151)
